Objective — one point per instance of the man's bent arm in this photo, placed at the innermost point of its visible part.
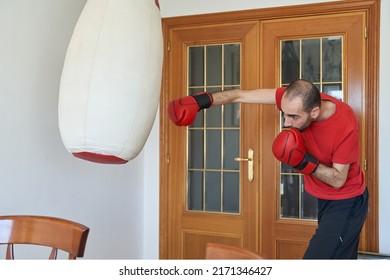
(334, 176)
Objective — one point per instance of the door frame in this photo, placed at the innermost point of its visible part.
(372, 8)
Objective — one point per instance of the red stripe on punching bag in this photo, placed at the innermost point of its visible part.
(99, 158)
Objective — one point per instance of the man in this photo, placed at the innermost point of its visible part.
(323, 143)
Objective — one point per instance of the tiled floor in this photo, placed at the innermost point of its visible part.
(372, 256)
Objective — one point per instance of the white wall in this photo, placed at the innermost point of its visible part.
(173, 8)
(38, 176)
(384, 132)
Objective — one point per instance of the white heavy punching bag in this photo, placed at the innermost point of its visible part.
(111, 80)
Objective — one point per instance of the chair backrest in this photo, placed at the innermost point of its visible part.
(59, 234)
(216, 251)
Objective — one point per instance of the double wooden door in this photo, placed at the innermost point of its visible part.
(259, 220)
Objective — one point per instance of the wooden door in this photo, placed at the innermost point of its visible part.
(286, 232)
(192, 222)
(260, 224)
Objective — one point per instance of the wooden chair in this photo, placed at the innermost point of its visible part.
(216, 251)
(59, 234)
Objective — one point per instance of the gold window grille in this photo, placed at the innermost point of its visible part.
(213, 140)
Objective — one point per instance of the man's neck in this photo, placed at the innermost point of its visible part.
(327, 110)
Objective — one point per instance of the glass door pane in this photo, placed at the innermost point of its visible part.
(214, 137)
(318, 60)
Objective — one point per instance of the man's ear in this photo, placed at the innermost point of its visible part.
(315, 112)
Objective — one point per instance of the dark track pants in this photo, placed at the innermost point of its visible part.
(339, 225)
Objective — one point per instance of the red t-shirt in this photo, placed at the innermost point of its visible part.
(334, 140)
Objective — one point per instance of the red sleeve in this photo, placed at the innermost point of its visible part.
(278, 97)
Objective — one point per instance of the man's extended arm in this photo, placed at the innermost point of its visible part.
(182, 111)
(258, 96)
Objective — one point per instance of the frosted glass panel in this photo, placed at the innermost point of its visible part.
(195, 141)
(214, 117)
(214, 65)
(231, 194)
(332, 59)
(311, 60)
(232, 61)
(213, 149)
(231, 115)
(289, 189)
(231, 145)
(195, 190)
(196, 65)
(213, 191)
(290, 61)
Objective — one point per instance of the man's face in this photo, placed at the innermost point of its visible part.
(294, 114)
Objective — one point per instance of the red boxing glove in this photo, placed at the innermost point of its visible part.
(183, 111)
(289, 147)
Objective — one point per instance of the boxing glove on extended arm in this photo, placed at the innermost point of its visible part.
(289, 147)
(183, 111)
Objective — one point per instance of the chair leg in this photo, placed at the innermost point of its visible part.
(53, 254)
(10, 252)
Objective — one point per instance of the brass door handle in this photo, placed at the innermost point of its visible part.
(250, 164)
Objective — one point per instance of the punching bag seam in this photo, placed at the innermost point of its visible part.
(143, 86)
(93, 71)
